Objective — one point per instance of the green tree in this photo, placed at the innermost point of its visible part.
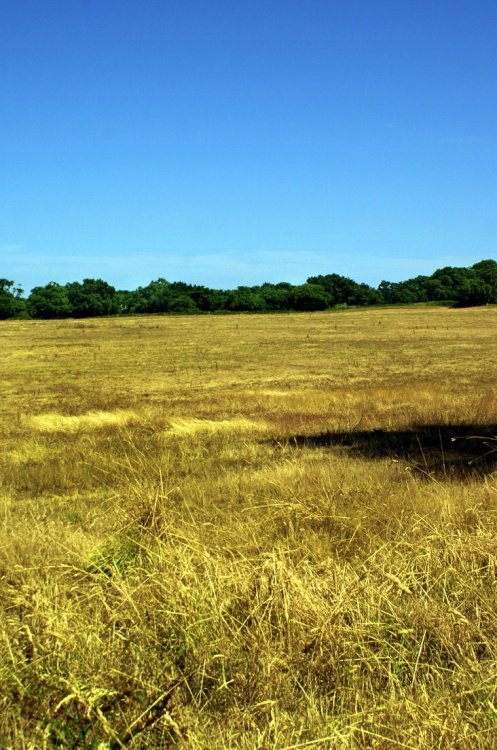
(50, 301)
(453, 281)
(276, 296)
(308, 297)
(363, 294)
(182, 303)
(92, 298)
(246, 299)
(124, 301)
(217, 300)
(154, 297)
(405, 292)
(11, 302)
(387, 291)
(203, 297)
(341, 290)
(486, 273)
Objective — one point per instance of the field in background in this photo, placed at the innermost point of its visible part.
(249, 531)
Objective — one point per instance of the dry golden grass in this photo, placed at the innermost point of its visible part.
(244, 532)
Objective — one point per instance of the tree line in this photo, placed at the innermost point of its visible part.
(475, 285)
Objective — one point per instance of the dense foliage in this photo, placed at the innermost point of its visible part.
(476, 285)
(11, 302)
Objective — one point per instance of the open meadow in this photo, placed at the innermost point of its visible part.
(249, 531)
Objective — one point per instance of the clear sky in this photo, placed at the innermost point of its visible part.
(227, 142)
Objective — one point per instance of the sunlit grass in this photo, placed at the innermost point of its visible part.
(190, 556)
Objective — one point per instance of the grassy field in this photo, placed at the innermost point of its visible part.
(249, 531)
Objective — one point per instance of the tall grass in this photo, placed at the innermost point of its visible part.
(191, 558)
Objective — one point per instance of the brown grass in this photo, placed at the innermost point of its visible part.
(249, 532)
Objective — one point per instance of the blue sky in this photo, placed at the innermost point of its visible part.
(227, 142)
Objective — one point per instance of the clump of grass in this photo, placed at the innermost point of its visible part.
(54, 422)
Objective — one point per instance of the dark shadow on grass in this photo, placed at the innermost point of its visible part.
(432, 450)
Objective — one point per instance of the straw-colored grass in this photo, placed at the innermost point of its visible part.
(248, 532)
(93, 420)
